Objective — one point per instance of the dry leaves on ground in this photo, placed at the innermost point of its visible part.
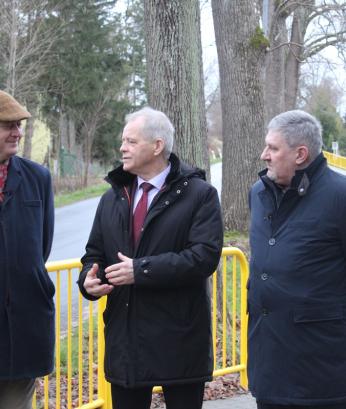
(220, 388)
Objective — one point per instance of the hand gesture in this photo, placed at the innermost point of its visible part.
(121, 273)
(93, 285)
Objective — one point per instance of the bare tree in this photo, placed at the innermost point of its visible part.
(91, 118)
(297, 31)
(241, 48)
(25, 40)
(175, 73)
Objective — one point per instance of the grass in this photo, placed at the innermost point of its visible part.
(75, 347)
(63, 199)
(230, 236)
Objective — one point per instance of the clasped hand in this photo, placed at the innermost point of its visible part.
(117, 274)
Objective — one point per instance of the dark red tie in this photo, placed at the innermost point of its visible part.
(141, 211)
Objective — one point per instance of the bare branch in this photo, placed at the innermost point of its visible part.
(323, 42)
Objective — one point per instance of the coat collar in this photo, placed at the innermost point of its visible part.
(120, 178)
(302, 179)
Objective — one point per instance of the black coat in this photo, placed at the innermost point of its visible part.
(26, 291)
(158, 330)
(297, 290)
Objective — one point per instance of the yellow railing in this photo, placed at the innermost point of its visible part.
(335, 160)
(78, 380)
(229, 318)
(78, 364)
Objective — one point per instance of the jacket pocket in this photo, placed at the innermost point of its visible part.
(317, 314)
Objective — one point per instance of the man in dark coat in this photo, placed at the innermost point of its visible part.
(26, 291)
(156, 273)
(297, 286)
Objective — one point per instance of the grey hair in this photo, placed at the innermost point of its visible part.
(299, 128)
(155, 125)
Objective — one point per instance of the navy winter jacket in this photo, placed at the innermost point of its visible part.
(297, 289)
(26, 291)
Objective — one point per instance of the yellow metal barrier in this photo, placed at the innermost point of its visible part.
(229, 323)
(73, 383)
(78, 380)
(335, 160)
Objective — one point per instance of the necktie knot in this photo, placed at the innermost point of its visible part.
(146, 186)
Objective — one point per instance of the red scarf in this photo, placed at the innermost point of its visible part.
(3, 177)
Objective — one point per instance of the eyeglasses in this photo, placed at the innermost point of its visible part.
(10, 126)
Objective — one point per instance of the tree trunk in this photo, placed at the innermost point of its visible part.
(274, 89)
(88, 141)
(286, 53)
(295, 56)
(29, 132)
(13, 36)
(241, 49)
(63, 130)
(71, 135)
(175, 73)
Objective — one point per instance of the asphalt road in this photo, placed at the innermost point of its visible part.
(72, 227)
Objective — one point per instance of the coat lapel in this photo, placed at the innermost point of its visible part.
(14, 179)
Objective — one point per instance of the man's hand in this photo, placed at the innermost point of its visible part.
(93, 285)
(121, 273)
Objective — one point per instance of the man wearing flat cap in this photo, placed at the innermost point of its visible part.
(26, 291)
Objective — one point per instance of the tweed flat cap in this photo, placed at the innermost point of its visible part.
(10, 109)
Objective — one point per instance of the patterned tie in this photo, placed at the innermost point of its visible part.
(3, 177)
(141, 211)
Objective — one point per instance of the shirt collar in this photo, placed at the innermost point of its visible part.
(157, 181)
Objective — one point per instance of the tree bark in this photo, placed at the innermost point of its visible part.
(295, 55)
(175, 73)
(87, 155)
(241, 59)
(29, 133)
(13, 44)
(63, 130)
(29, 127)
(274, 89)
(71, 136)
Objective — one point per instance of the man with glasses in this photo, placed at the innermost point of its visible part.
(26, 291)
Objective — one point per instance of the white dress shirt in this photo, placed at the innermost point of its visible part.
(157, 181)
